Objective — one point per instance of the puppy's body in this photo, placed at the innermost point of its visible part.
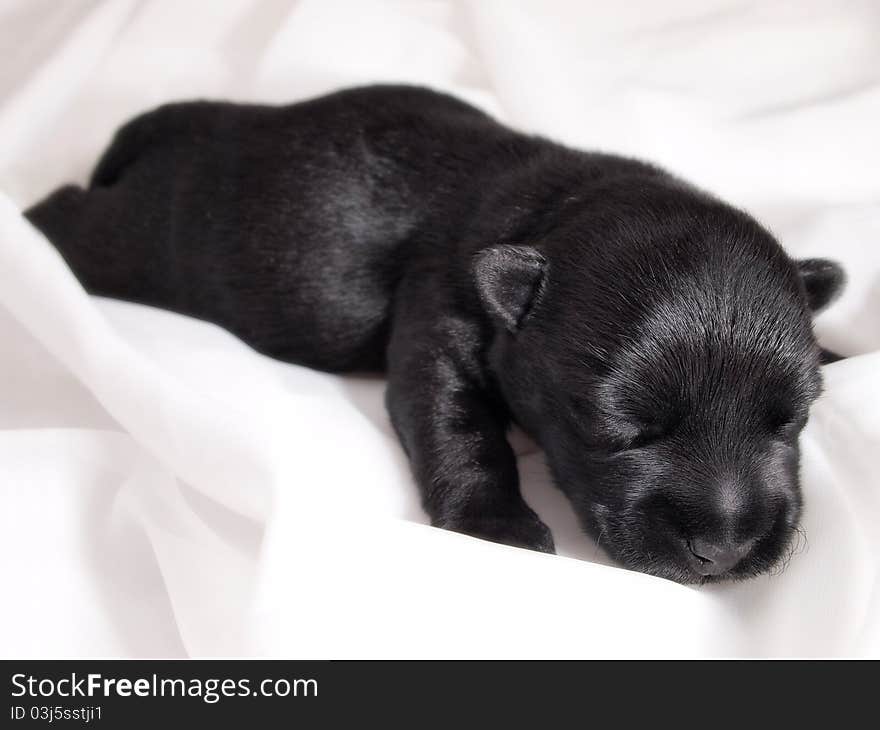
(655, 341)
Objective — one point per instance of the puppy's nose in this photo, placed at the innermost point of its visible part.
(709, 558)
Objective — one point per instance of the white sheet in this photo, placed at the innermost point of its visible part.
(167, 492)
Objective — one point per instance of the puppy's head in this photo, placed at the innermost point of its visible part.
(667, 366)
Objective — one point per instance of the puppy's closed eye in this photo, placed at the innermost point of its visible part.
(788, 429)
(630, 434)
(648, 434)
(605, 430)
(784, 422)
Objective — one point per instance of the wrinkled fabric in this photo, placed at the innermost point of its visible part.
(168, 492)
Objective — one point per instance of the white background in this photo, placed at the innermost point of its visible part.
(167, 492)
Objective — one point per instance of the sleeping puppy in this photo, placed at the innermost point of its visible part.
(656, 342)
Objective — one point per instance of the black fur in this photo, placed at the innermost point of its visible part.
(656, 342)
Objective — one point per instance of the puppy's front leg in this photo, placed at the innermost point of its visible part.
(455, 438)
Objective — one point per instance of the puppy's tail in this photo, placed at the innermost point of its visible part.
(104, 254)
(60, 217)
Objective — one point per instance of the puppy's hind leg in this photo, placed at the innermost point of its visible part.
(60, 218)
(107, 257)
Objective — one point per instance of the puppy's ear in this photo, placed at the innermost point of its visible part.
(510, 281)
(823, 281)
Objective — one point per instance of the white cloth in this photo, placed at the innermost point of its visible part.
(167, 492)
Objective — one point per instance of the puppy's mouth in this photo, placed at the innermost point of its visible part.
(692, 563)
(691, 558)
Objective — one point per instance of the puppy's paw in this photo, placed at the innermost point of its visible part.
(523, 530)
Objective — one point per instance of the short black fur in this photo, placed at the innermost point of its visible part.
(655, 341)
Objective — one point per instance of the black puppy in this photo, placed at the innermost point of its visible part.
(656, 342)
